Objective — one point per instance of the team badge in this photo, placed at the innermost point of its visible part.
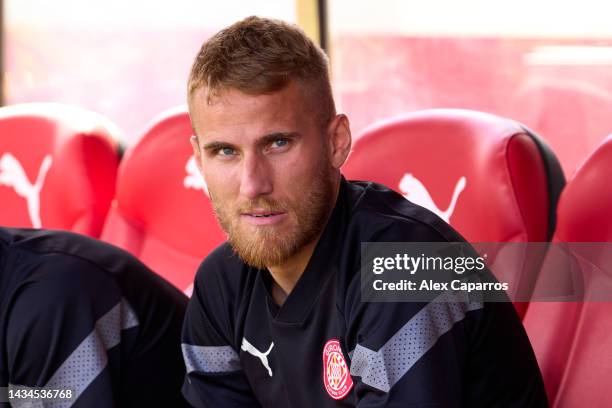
(336, 376)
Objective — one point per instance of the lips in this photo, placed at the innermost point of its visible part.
(263, 217)
(261, 212)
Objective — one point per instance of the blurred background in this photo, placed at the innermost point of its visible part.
(545, 63)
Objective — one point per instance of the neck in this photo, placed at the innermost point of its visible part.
(287, 274)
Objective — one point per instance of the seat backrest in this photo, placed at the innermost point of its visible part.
(491, 178)
(585, 114)
(58, 167)
(161, 213)
(572, 340)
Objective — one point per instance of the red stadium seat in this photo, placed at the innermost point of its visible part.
(489, 177)
(161, 213)
(58, 166)
(572, 341)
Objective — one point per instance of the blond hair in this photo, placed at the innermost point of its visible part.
(259, 56)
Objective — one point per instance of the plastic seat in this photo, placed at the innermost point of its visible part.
(572, 340)
(58, 167)
(491, 178)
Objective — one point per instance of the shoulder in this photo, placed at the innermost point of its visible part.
(70, 266)
(222, 261)
(73, 249)
(222, 284)
(383, 215)
(376, 213)
(49, 255)
(50, 285)
(222, 272)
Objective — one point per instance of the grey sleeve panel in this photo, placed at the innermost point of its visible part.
(89, 359)
(382, 369)
(210, 359)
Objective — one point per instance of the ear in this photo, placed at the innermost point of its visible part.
(339, 136)
(196, 152)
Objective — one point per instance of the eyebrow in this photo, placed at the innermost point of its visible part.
(212, 146)
(262, 141)
(270, 137)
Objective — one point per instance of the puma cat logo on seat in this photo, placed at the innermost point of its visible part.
(416, 192)
(13, 175)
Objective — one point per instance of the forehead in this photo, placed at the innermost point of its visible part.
(235, 113)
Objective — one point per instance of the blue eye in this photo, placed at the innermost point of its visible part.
(280, 143)
(226, 151)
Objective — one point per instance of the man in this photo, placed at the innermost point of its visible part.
(276, 318)
(84, 324)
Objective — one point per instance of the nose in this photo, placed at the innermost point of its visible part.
(256, 177)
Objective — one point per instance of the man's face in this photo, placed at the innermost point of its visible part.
(266, 162)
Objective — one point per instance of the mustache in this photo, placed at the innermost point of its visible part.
(261, 203)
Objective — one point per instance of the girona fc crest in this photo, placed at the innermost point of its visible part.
(336, 376)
